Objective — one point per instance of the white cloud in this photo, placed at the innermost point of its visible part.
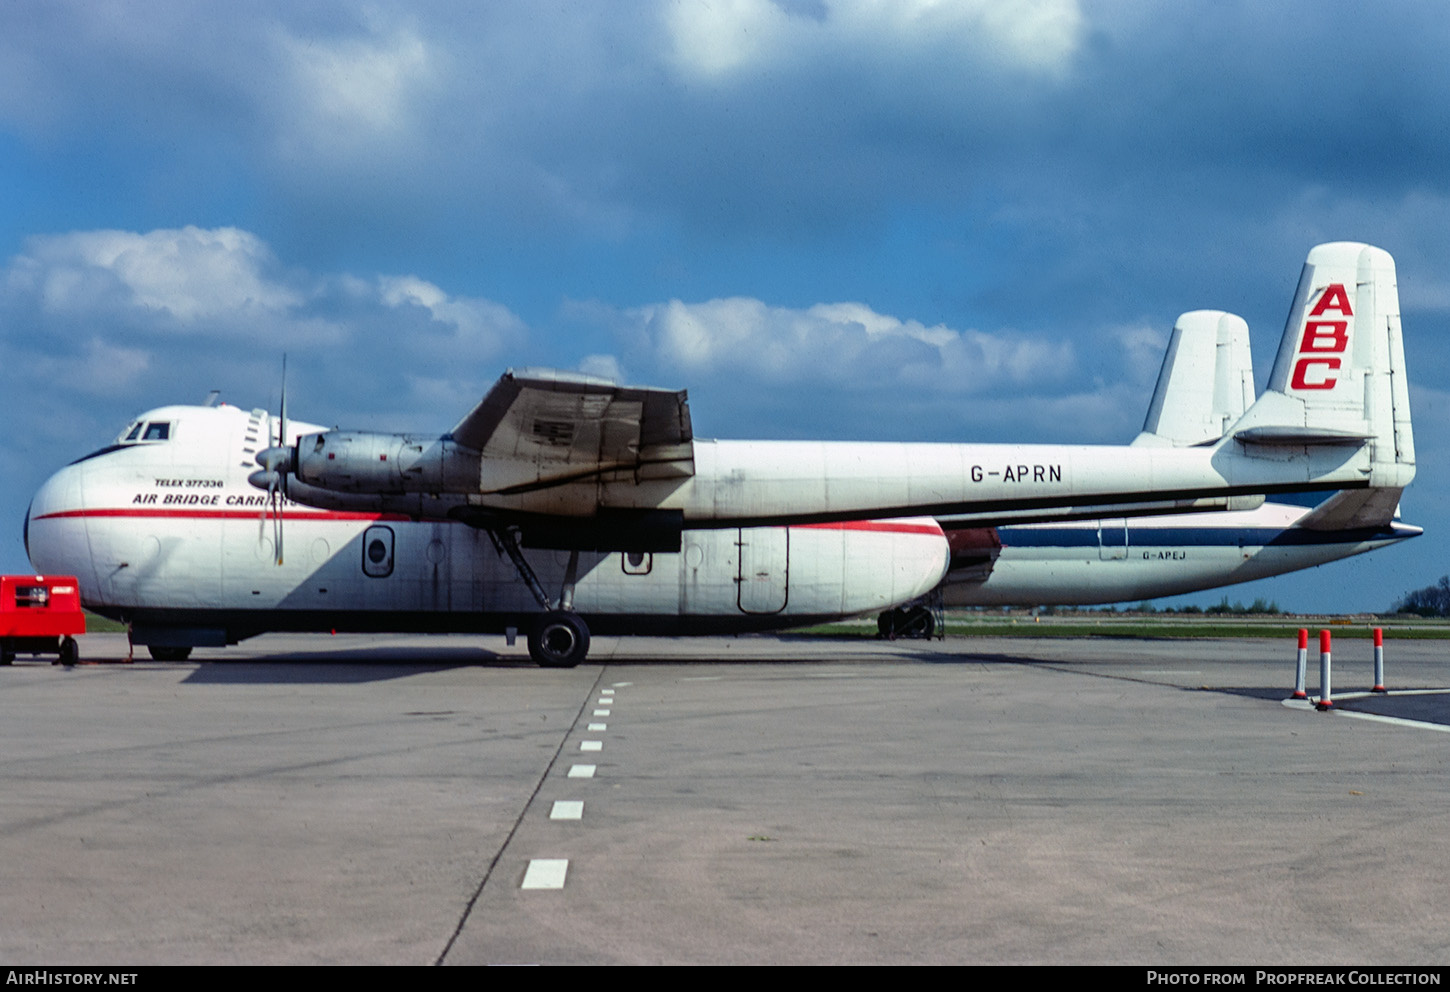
(604, 366)
(351, 93)
(190, 274)
(718, 39)
(138, 316)
(478, 327)
(843, 343)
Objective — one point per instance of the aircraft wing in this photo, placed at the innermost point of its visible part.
(538, 428)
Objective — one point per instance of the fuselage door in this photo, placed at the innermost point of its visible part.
(764, 569)
(1113, 539)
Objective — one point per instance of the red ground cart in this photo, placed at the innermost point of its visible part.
(40, 614)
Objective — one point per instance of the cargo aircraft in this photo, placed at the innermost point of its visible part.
(563, 503)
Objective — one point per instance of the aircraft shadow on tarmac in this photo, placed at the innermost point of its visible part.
(1423, 705)
(354, 666)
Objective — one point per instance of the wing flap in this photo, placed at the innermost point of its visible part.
(538, 428)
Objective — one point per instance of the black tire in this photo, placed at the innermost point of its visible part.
(161, 653)
(559, 640)
(918, 622)
(7, 652)
(70, 651)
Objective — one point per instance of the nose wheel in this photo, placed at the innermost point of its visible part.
(559, 639)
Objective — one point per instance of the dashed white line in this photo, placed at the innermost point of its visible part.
(581, 771)
(546, 873)
(601, 712)
(599, 726)
(567, 809)
(591, 745)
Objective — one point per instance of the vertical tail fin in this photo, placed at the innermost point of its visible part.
(1206, 383)
(1339, 378)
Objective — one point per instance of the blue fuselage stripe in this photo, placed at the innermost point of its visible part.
(1186, 537)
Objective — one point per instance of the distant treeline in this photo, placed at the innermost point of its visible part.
(1223, 608)
(1431, 601)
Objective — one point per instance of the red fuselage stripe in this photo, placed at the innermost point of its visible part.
(221, 514)
(876, 526)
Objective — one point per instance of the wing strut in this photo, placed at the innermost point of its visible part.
(507, 543)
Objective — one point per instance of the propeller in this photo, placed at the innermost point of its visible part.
(274, 465)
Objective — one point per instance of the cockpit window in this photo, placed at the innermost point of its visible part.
(138, 433)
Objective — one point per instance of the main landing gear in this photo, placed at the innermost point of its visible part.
(923, 619)
(915, 621)
(559, 638)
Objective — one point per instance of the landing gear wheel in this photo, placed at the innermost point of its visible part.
(559, 639)
(160, 653)
(914, 622)
(918, 623)
(70, 651)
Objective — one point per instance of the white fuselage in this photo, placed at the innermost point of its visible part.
(1124, 560)
(169, 534)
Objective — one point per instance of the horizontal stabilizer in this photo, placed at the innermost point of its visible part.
(1300, 435)
(1354, 508)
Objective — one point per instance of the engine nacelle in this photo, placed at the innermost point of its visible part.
(383, 464)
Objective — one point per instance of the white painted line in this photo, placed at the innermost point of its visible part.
(567, 809)
(546, 873)
(1397, 721)
(581, 771)
(604, 701)
(607, 692)
(591, 745)
(599, 726)
(601, 712)
(623, 685)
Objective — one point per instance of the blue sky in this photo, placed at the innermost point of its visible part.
(909, 219)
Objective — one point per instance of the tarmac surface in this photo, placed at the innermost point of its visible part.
(421, 800)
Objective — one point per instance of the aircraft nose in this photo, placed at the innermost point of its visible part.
(53, 541)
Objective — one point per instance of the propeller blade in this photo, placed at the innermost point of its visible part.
(280, 490)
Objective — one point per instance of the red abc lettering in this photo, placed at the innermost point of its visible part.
(1302, 366)
(1325, 335)
(1334, 298)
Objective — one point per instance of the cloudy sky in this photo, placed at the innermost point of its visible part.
(905, 219)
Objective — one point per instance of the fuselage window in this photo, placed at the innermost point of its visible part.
(377, 548)
(636, 562)
(159, 431)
